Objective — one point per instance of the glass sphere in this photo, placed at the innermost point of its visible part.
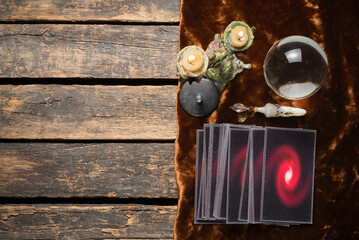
(295, 67)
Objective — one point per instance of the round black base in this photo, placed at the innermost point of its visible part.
(199, 99)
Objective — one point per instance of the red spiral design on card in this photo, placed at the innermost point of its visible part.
(290, 186)
(239, 164)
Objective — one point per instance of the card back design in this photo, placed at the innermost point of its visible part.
(288, 174)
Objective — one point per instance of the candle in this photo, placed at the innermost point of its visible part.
(238, 36)
(192, 60)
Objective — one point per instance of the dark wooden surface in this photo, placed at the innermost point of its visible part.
(123, 170)
(88, 112)
(152, 11)
(88, 51)
(87, 119)
(86, 221)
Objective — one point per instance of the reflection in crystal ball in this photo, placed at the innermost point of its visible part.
(295, 67)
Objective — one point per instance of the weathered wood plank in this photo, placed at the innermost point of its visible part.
(87, 51)
(90, 10)
(87, 112)
(86, 221)
(124, 170)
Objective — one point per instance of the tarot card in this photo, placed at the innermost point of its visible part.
(222, 172)
(206, 221)
(246, 210)
(244, 200)
(202, 189)
(288, 173)
(256, 163)
(211, 222)
(199, 159)
(237, 160)
(209, 142)
(221, 186)
(199, 211)
(204, 182)
(216, 143)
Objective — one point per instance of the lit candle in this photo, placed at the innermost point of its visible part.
(192, 60)
(238, 36)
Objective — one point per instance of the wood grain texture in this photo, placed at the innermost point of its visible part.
(86, 222)
(88, 112)
(88, 51)
(123, 170)
(90, 10)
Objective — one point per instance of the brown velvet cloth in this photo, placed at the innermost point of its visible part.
(333, 111)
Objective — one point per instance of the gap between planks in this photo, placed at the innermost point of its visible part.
(89, 200)
(90, 81)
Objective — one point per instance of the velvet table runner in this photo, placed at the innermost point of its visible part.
(333, 111)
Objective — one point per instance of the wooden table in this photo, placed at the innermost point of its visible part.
(88, 119)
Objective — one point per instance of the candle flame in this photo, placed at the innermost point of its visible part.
(191, 59)
(240, 36)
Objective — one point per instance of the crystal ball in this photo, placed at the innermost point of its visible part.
(295, 67)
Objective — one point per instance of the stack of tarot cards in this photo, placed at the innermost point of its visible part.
(249, 174)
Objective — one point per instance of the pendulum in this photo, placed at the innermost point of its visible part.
(269, 110)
